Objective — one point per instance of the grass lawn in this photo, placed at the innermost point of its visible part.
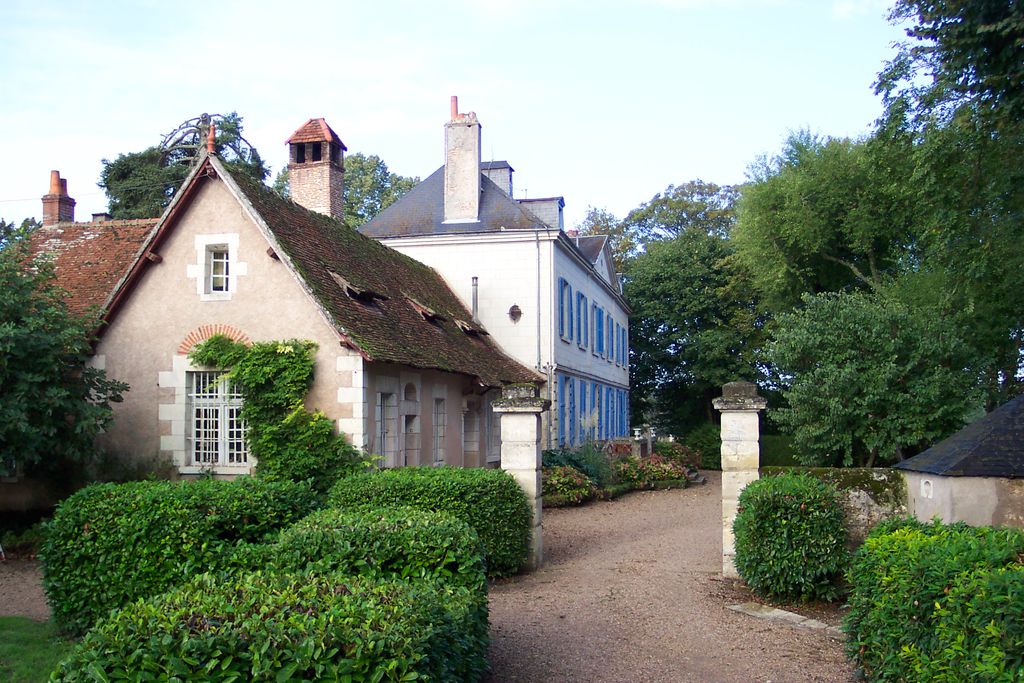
(29, 650)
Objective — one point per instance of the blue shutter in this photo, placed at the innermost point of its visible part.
(561, 410)
(561, 307)
(572, 411)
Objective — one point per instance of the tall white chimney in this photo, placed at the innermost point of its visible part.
(461, 167)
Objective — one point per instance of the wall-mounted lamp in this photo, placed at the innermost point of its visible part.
(515, 313)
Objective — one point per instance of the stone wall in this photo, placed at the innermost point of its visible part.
(870, 494)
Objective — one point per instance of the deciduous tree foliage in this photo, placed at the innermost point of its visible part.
(621, 240)
(52, 404)
(694, 327)
(871, 380)
(826, 215)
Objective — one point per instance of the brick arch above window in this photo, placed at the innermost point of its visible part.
(204, 332)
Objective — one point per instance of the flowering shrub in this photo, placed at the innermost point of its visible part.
(643, 473)
(564, 485)
(678, 453)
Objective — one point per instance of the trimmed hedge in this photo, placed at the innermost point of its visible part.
(928, 599)
(790, 537)
(402, 543)
(285, 627)
(110, 544)
(490, 501)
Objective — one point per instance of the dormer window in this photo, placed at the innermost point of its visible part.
(218, 266)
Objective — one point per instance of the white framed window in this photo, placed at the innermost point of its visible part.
(440, 425)
(216, 431)
(218, 269)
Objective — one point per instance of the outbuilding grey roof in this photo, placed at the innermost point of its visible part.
(421, 212)
(991, 446)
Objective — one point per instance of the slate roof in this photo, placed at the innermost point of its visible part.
(991, 446)
(492, 165)
(315, 130)
(590, 246)
(392, 307)
(421, 212)
(90, 259)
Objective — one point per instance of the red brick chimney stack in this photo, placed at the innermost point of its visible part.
(58, 207)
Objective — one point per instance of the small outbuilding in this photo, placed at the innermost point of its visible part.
(975, 476)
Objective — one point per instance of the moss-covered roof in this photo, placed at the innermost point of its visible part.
(392, 307)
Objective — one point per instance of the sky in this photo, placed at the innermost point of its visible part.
(603, 103)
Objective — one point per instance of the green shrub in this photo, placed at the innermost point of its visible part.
(790, 537)
(646, 473)
(902, 576)
(776, 450)
(285, 627)
(979, 630)
(563, 486)
(490, 501)
(588, 459)
(706, 440)
(110, 544)
(403, 543)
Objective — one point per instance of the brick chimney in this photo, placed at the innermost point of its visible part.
(316, 168)
(58, 207)
(461, 167)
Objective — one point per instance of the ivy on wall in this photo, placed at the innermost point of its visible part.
(288, 441)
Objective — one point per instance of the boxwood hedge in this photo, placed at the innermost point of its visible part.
(288, 627)
(110, 544)
(490, 501)
(404, 543)
(922, 593)
(790, 537)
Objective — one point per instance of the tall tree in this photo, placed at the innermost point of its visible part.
(52, 405)
(871, 379)
(141, 184)
(370, 187)
(961, 52)
(694, 205)
(825, 215)
(695, 326)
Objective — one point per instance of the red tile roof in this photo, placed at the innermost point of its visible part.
(90, 259)
(315, 130)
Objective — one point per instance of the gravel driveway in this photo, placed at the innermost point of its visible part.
(630, 591)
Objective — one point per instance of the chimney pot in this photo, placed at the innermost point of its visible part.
(58, 207)
(455, 107)
(211, 139)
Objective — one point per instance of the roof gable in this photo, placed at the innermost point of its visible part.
(991, 446)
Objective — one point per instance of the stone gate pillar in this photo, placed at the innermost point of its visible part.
(520, 407)
(741, 456)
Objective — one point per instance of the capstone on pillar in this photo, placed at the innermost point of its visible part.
(520, 408)
(739, 405)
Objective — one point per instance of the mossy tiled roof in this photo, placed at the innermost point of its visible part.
(90, 259)
(394, 308)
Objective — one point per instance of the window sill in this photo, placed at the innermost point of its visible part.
(216, 469)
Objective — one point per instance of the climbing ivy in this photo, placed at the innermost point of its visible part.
(288, 441)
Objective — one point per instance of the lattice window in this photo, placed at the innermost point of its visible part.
(217, 433)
